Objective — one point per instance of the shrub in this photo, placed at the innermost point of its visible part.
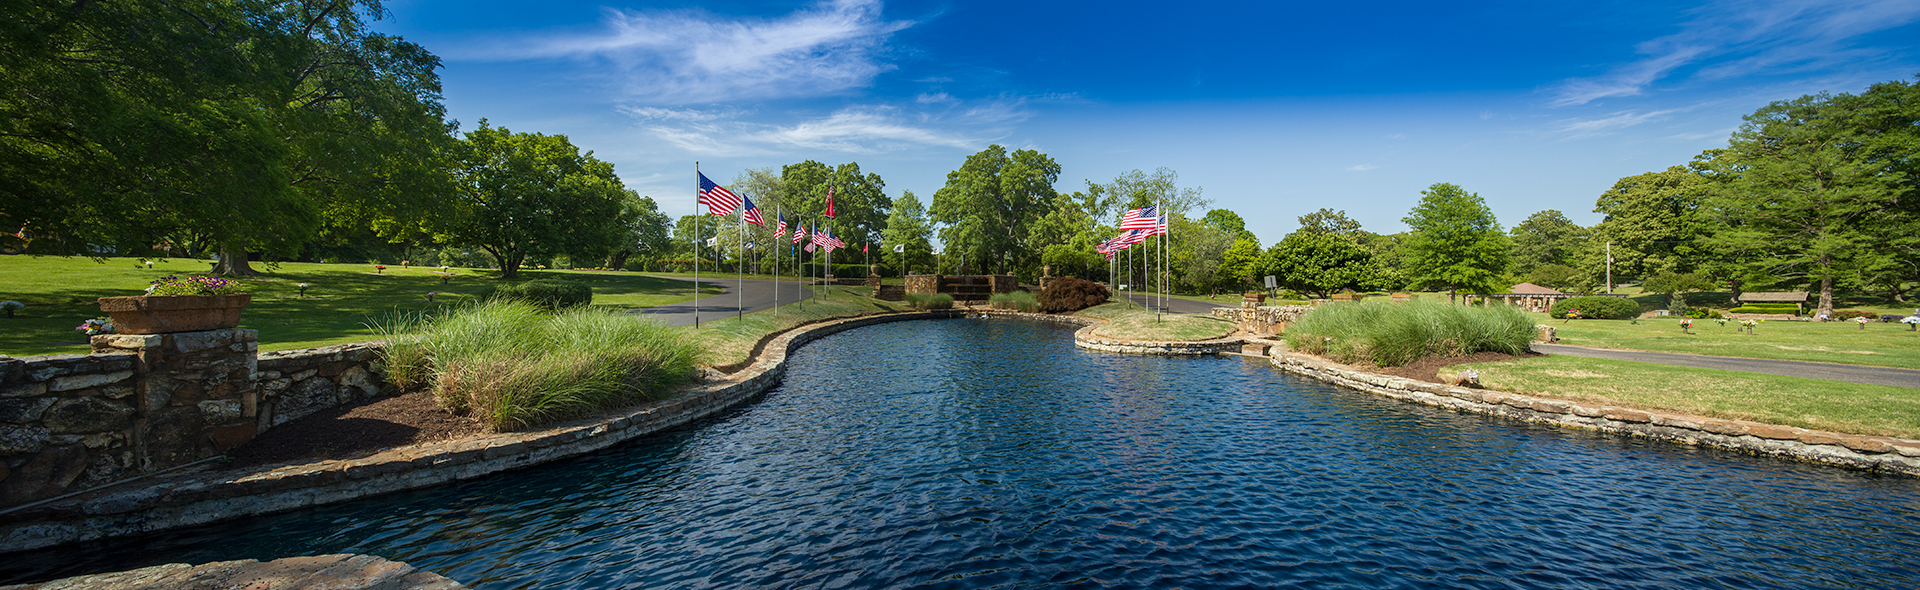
(1848, 314)
(1604, 308)
(195, 285)
(1703, 313)
(549, 294)
(934, 301)
(1786, 308)
(1017, 301)
(1068, 294)
(511, 365)
(1392, 334)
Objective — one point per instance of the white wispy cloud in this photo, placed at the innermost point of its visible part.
(1590, 127)
(1730, 39)
(694, 57)
(949, 122)
(1361, 167)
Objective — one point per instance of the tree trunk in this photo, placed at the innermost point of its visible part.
(1826, 297)
(1735, 299)
(233, 261)
(618, 259)
(510, 264)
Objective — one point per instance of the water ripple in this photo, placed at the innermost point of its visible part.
(993, 454)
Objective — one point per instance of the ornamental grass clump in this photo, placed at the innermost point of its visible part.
(923, 301)
(513, 366)
(1394, 334)
(1017, 301)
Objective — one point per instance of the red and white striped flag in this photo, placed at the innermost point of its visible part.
(800, 233)
(781, 232)
(752, 213)
(1142, 218)
(829, 202)
(718, 199)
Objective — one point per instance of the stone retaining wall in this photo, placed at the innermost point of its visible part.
(145, 403)
(1085, 338)
(1266, 319)
(333, 572)
(1865, 452)
(171, 501)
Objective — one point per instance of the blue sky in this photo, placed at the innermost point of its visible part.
(1274, 109)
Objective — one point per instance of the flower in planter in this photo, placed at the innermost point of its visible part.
(406, 263)
(9, 306)
(96, 326)
(1686, 325)
(380, 268)
(194, 285)
(1572, 314)
(1912, 322)
(303, 289)
(1863, 322)
(430, 295)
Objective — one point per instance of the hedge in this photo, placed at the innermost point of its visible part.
(1600, 308)
(547, 294)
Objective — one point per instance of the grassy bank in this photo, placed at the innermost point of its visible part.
(1793, 401)
(1879, 345)
(340, 301)
(1133, 323)
(731, 340)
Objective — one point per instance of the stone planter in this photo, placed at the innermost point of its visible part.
(166, 314)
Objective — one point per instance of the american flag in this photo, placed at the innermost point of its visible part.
(1104, 247)
(829, 202)
(718, 199)
(819, 237)
(809, 247)
(781, 231)
(1142, 218)
(1128, 238)
(799, 233)
(835, 241)
(752, 213)
(1160, 229)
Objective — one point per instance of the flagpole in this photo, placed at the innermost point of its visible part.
(776, 262)
(697, 199)
(740, 269)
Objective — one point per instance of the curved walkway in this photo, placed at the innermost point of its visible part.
(1829, 371)
(758, 295)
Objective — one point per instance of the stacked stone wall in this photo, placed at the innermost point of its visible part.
(140, 404)
(1266, 319)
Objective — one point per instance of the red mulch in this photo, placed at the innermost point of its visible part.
(355, 431)
(1428, 368)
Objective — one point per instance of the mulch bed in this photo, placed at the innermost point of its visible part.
(357, 430)
(1428, 368)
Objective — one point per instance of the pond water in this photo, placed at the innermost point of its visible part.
(975, 453)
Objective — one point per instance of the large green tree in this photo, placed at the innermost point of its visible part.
(860, 202)
(989, 204)
(1329, 221)
(1655, 222)
(134, 127)
(908, 228)
(1320, 263)
(531, 194)
(1547, 237)
(1456, 243)
(1807, 196)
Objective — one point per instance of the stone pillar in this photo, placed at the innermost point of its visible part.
(194, 392)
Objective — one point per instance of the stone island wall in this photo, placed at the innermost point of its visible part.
(141, 404)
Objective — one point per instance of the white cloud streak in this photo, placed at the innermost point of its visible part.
(1602, 126)
(1731, 39)
(950, 122)
(1361, 167)
(692, 57)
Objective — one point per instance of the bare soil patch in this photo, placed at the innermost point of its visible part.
(356, 431)
(1428, 368)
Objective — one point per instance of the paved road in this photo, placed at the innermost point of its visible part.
(758, 296)
(1178, 305)
(1829, 371)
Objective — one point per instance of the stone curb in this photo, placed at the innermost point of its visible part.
(1084, 337)
(1878, 453)
(170, 502)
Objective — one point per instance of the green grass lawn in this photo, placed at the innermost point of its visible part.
(340, 303)
(731, 340)
(1880, 344)
(1794, 401)
(1133, 323)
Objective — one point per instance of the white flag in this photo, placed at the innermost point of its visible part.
(712, 241)
(899, 247)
